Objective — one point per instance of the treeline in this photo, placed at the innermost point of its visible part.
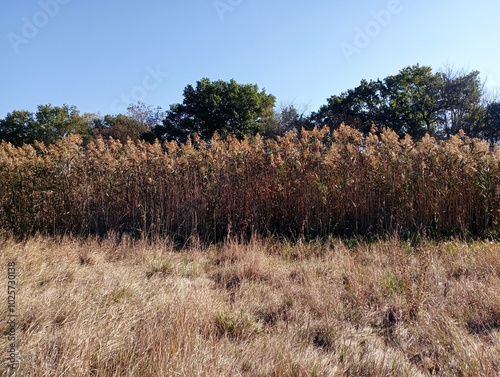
(311, 183)
(415, 102)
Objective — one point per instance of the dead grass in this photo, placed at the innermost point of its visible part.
(267, 308)
(308, 185)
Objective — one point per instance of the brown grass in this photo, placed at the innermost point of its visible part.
(314, 185)
(267, 308)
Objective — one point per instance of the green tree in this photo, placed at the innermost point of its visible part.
(361, 108)
(54, 122)
(409, 102)
(48, 124)
(463, 93)
(226, 107)
(415, 101)
(18, 127)
(491, 127)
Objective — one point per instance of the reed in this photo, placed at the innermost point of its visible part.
(301, 185)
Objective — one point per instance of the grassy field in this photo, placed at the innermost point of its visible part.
(267, 308)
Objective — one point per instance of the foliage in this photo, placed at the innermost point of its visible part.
(416, 101)
(225, 107)
(120, 127)
(48, 124)
(463, 103)
(18, 127)
(491, 130)
(289, 118)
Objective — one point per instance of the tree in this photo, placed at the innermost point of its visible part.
(360, 108)
(54, 122)
(120, 127)
(463, 94)
(18, 127)
(288, 118)
(145, 114)
(225, 107)
(491, 128)
(48, 124)
(415, 101)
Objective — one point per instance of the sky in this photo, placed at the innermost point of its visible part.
(102, 55)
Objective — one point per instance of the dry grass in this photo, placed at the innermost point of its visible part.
(267, 308)
(313, 185)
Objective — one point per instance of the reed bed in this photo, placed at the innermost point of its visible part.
(306, 184)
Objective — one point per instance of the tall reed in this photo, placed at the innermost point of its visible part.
(308, 184)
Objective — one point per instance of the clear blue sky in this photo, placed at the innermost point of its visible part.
(96, 55)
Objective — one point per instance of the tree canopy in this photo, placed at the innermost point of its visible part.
(48, 124)
(220, 106)
(415, 101)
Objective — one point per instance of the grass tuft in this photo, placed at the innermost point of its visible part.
(384, 308)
